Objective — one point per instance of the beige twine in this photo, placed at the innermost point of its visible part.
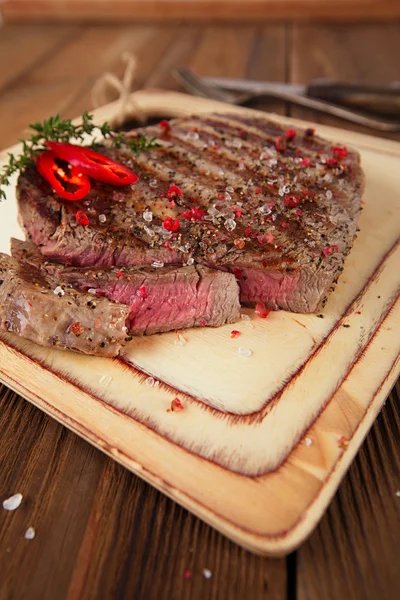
(127, 106)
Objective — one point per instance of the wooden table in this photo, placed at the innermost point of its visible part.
(100, 531)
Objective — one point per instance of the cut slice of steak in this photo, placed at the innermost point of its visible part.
(34, 307)
(162, 299)
(276, 207)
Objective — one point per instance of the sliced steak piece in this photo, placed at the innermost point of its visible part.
(32, 307)
(163, 299)
(277, 208)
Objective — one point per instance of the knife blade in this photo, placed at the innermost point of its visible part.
(380, 99)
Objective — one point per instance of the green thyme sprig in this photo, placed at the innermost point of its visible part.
(63, 130)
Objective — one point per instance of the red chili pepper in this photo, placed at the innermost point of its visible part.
(60, 177)
(234, 333)
(94, 164)
(305, 162)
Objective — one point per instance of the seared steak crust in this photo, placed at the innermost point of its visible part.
(33, 306)
(276, 209)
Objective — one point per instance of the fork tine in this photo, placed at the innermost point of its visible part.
(195, 84)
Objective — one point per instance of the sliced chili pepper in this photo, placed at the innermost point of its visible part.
(60, 177)
(94, 164)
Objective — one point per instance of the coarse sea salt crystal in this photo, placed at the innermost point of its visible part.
(190, 261)
(12, 502)
(102, 218)
(308, 441)
(150, 382)
(207, 573)
(153, 183)
(30, 533)
(105, 380)
(149, 231)
(237, 144)
(230, 189)
(244, 352)
(230, 224)
(148, 216)
(180, 341)
(265, 209)
(58, 291)
(92, 291)
(329, 194)
(192, 135)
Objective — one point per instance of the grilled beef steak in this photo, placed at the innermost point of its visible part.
(33, 306)
(162, 299)
(277, 208)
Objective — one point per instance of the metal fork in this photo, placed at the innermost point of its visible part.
(199, 87)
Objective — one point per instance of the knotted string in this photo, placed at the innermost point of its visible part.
(127, 106)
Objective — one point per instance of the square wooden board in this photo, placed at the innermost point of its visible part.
(264, 441)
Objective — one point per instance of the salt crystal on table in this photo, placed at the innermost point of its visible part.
(207, 573)
(244, 352)
(12, 502)
(105, 380)
(30, 533)
(150, 382)
(245, 317)
(308, 441)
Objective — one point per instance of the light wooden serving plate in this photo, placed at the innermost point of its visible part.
(263, 442)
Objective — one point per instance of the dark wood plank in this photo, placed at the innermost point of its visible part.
(57, 473)
(145, 544)
(354, 552)
(204, 11)
(360, 53)
(351, 554)
(35, 43)
(119, 537)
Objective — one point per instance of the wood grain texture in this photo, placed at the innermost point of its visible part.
(347, 53)
(351, 392)
(363, 522)
(197, 10)
(259, 578)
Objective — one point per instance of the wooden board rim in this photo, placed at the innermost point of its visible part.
(273, 545)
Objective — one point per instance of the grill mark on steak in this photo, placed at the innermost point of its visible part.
(268, 239)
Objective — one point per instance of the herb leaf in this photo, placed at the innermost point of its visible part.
(63, 130)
